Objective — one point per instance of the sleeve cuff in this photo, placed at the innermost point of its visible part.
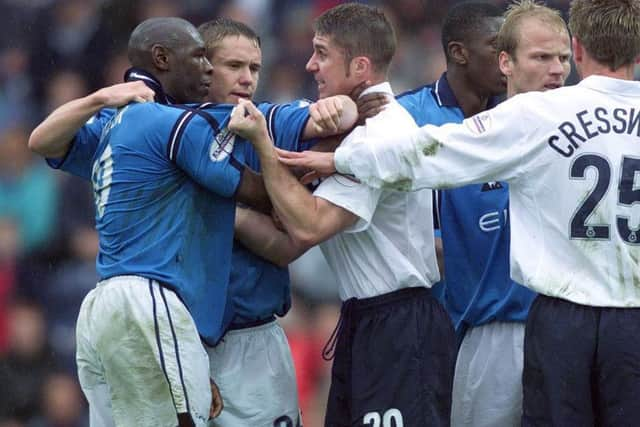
(341, 160)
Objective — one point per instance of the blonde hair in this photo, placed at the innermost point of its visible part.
(509, 34)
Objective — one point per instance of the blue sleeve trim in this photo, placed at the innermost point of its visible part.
(437, 201)
(271, 123)
(176, 135)
(178, 130)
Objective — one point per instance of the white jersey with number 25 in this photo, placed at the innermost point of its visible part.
(572, 160)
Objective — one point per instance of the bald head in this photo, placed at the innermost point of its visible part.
(172, 50)
(172, 33)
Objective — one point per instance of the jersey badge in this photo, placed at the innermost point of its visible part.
(222, 145)
(480, 123)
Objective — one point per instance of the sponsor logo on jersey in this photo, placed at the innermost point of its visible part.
(480, 123)
(222, 145)
(493, 185)
(492, 221)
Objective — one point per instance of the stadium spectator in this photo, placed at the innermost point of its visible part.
(26, 364)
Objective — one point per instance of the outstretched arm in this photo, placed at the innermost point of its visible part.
(53, 136)
(308, 219)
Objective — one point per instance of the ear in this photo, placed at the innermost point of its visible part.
(160, 57)
(505, 62)
(360, 66)
(578, 50)
(458, 53)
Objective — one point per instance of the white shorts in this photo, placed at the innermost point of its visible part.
(140, 358)
(254, 370)
(487, 384)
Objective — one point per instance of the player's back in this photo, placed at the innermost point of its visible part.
(576, 221)
(154, 213)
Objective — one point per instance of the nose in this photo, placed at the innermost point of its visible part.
(207, 68)
(557, 67)
(246, 77)
(312, 65)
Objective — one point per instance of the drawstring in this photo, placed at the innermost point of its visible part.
(329, 350)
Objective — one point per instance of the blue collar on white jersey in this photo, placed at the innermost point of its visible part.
(446, 98)
(133, 74)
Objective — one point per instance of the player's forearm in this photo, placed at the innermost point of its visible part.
(258, 233)
(53, 137)
(252, 191)
(294, 204)
(396, 162)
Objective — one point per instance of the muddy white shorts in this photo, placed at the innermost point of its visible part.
(487, 384)
(140, 358)
(254, 370)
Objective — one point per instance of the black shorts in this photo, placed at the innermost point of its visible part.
(394, 362)
(581, 365)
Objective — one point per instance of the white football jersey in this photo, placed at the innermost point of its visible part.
(571, 157)
(391, 246)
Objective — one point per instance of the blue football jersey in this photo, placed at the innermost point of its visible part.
(259, 288)
(474, 226)
(163, 178)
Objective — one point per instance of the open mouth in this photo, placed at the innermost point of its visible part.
(552, 85)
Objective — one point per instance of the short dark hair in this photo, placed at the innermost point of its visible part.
(609, 30)
(170, 32)
(361, 30)
(215, 30)
(464, 21)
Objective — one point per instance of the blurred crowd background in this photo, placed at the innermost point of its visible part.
(52, 51)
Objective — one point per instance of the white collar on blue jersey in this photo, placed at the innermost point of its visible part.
(380, 87)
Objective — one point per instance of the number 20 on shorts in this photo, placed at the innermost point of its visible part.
(391, 418)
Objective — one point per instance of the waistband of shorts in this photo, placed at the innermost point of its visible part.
(363, 304)
(252, 324)
(126, 278)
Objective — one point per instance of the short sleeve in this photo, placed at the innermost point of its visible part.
(79, 158)
(353, 196)
(205, 153)
(286, 123)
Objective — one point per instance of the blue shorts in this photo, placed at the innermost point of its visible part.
(394, 362)
(581, 365)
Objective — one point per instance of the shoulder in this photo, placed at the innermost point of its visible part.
(421, 92)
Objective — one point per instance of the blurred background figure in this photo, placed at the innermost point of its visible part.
(62, 403)
(26, 363)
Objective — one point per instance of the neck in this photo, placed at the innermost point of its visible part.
(591, 68)
(471, 101)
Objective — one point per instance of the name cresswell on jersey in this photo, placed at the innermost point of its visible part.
(222, 145)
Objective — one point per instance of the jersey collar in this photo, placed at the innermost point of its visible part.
(134, 74)
(611, 85)
(446, 98)
(384, 87)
